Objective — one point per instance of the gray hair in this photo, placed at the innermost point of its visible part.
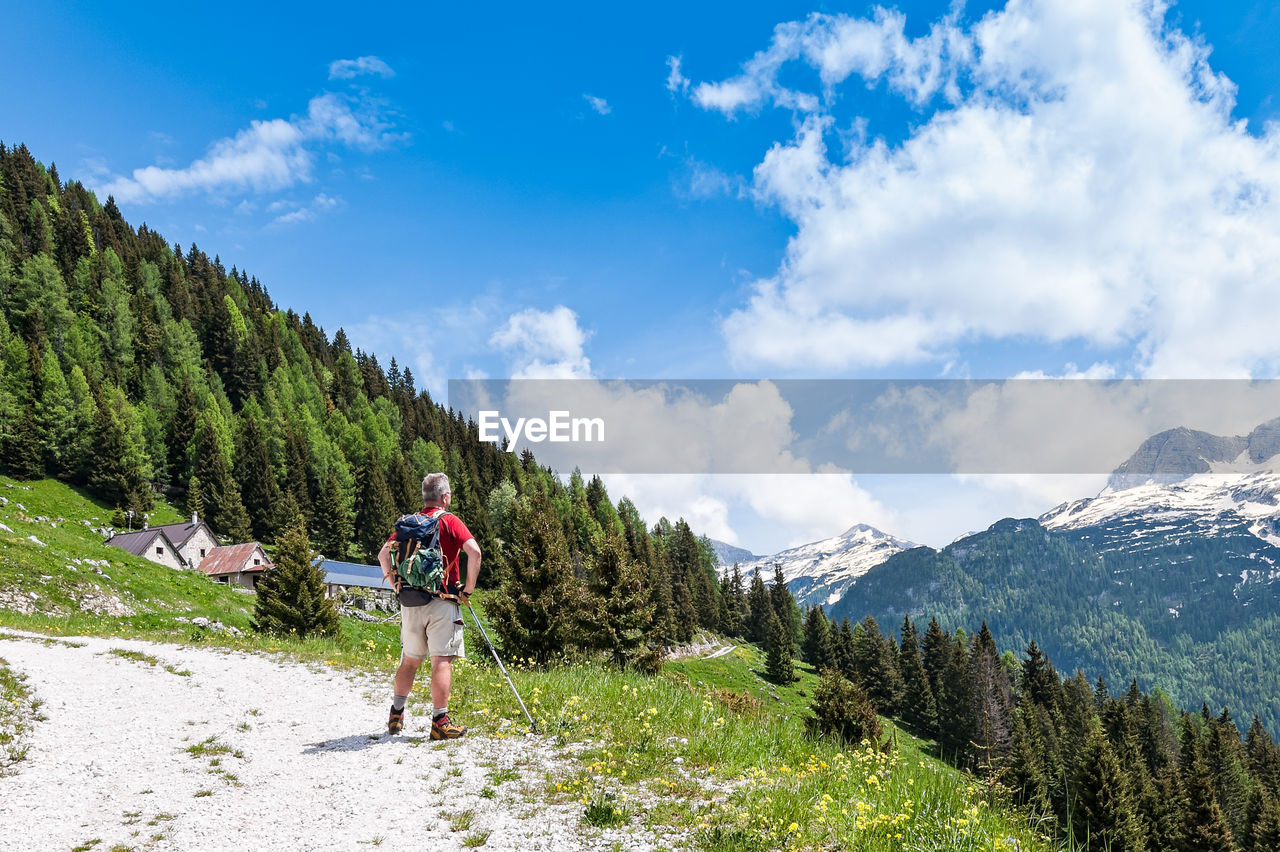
(434, 487)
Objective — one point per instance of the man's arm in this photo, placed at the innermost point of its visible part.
(384, 559)
(472, 550)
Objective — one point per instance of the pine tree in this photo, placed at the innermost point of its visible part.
(118, 468)
(218, 487)
(1105, 816)
(375, 510)
(778, 653)
(55, 418)
(618, 612)
(534, 608)
(784, 604)
(333, 520)
(759, 606)
(876, 667)
(259, 492)
(1203, 825)
(817, 649)
(291, 597)
(917, 708)
(20, 450)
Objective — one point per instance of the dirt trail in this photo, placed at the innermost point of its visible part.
(313, 767)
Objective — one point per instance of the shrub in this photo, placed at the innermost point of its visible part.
(841, 710)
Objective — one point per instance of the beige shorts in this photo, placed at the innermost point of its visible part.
(433, 630)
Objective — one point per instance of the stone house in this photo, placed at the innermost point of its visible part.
(193, 539)
(152, 544)
(236, 564)
(185, 544)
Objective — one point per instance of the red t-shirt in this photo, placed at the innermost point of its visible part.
(453, 534)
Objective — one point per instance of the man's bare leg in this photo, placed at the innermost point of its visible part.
(441, 682)
(407, 672)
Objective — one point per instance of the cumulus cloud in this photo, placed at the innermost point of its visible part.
(544, 344)
(267, 155)
(1077, 176)
(346, 69)
(600, 105)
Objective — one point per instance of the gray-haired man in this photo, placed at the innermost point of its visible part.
(431, 622)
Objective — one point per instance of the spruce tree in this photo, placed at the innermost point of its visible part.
(1105, 814)
(817, 649)
(1264, 827)
(759, 606)
(784, 604)
(56, 415)
(917, 707)
(259, 491)
(1203, 825)
(778, 652)
(375, 510)
(536, 606)
(876, 667)
(291, 597)
(332, 520)
(618, 612)
(118, 465)
(218, 487)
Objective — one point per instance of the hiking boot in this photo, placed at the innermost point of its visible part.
(443, 729)
(395, 722)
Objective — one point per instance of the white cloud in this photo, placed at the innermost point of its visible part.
(676, 81)
(346, 69)
(303, 212)
(1078, 176)
(703, 180)
(600, 105)
(544, 344)
(267, 155)
(763, 512)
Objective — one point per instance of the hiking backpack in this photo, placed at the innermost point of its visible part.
(417, 557)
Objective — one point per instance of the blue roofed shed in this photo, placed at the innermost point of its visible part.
(356, 582)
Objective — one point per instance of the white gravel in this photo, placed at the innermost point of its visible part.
(317, 770)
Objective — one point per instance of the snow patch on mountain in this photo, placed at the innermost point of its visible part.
(822, 571)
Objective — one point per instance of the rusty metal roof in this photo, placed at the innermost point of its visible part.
(232, 559)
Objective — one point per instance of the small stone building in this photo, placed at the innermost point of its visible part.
(236, 564)
(152, 544)
(194, 539)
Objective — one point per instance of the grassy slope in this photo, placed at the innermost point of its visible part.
(707, 745)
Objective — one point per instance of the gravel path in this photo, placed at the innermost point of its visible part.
(313, 767)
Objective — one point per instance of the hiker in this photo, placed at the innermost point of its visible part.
(431, 619)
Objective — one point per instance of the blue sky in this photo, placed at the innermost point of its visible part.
(1053, 187)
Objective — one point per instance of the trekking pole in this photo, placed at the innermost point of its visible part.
(533, 726)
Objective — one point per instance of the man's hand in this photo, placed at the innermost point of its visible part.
(464, 597)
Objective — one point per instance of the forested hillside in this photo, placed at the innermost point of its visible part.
(131, 366)
(1165, 614)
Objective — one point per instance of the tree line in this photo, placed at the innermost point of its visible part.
(1124, 772)
(131, 367)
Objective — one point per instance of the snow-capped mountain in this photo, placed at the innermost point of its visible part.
(822, 571)
(1201, 504)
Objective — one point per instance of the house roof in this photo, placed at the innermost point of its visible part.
(232, 559)
(358, 582)
(352, 574)
(138, 542)
(182, 531)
